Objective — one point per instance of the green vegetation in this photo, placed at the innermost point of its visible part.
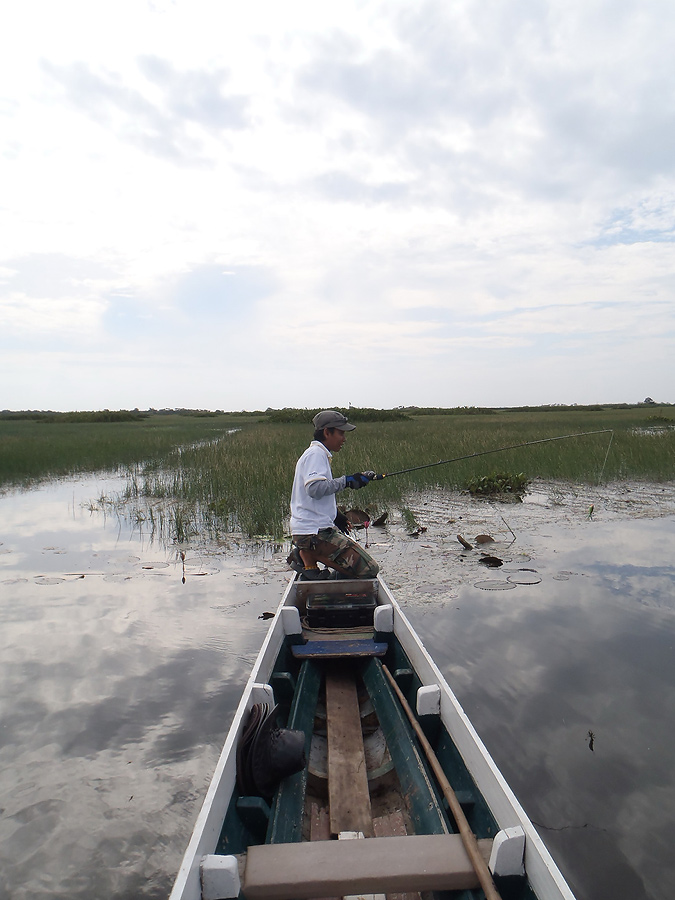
(412, 526)
(497, 484)
(101, 415)
(33, 448)
(234, 471)
(105, 415)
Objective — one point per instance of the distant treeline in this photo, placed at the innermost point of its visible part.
(107, 415)
(290, 415)
(304, 416)
(579, 407)
(448, 411)
(197, 413)
(103, 415)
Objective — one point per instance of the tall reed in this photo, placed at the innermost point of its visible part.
(244, 480)
(31, 451)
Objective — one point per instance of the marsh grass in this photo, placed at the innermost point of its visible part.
(391, 448)
(243, 482)
(198, 477)
(35, 450)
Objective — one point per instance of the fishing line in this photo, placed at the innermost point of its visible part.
(602, 471)
(444, 462)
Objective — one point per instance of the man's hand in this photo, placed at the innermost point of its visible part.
(343, 523)
(358, 480)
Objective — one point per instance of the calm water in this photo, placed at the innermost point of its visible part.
(118, 680)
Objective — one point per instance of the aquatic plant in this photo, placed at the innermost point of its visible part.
(498, 483)
(412, 526)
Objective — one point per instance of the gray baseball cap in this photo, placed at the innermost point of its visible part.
(330, 418)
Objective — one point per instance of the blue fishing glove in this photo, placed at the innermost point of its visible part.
(358, 480)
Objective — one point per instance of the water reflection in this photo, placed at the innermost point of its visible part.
(539, 668)
(118, 685)
(118, 681)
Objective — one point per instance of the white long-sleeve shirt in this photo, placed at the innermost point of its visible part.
(313, 505)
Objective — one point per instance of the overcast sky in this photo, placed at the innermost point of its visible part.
(241, 205)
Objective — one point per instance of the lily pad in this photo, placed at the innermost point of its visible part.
(526, 576)
(494, 585)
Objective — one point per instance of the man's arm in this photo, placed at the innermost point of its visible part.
(321, 487)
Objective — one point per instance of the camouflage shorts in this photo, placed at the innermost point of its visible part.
(345, 553)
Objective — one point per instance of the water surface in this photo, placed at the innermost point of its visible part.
(570, 681)
(118, 679)
(117, 684)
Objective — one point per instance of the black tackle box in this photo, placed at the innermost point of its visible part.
(338, 604)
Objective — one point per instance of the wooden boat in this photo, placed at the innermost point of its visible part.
(398, 797)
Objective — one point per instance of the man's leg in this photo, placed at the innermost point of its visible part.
(303, 553)
(336, 551)
(309, 558)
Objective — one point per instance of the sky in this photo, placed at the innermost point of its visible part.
(221, 205)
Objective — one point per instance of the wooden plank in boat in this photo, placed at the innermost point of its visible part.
(330, 649)
(348, 795)
(319, 829)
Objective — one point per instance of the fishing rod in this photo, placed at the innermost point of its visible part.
(444, 462)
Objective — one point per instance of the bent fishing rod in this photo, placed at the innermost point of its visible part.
(444, 462)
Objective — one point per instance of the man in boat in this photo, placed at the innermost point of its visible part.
(319, 531)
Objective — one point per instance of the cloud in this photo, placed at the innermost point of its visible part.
(158, 123)
(44, 295)
(514, 98)
(222, 292)
(650, 220)
(209, 304)
(341, 186)
(197, 95)
(53, 274)
(472, 184)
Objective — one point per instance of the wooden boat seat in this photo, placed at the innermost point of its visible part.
(373, 865)
(330, 649)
